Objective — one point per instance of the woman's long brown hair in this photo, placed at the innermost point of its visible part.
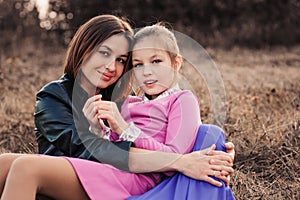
(87, 38)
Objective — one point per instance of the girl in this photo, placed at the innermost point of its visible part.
(23, 176)
(164, 117)
(156, 62)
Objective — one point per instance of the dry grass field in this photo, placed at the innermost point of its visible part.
(262, 110)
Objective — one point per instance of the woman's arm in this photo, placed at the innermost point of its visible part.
(58, 134)
(141, 161)
(196, 165)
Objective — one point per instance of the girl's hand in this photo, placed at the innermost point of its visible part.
(204, 164)
(109, 111)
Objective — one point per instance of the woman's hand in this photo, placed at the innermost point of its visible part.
(203, 164)
(230, 152)
(230, 149)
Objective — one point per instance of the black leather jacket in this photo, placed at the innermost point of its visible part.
(62, 130)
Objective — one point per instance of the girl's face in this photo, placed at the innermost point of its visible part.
(152, 67)
(105, 65)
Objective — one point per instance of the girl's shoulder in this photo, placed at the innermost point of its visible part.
(185, 96)
(132, 99)
(184, 93)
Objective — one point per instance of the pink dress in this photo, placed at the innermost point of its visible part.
(167, 124)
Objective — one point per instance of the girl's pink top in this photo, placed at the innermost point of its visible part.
(167, 124)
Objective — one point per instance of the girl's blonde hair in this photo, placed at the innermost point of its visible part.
(161, 34)
(160, 31)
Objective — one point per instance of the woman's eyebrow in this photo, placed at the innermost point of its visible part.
(125, 55)
(107, 47)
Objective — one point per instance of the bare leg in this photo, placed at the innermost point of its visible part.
(5, 162)
(52, 176)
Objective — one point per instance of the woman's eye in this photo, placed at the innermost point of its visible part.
(105, 53)
(121, 60)
(156, 61)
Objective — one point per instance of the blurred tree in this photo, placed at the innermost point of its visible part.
(18, 19)
(252, 23)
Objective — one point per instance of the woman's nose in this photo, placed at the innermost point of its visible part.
(111, 65)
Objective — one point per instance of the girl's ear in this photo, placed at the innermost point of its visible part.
(178, 62)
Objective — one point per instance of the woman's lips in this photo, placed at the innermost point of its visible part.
(105, 76)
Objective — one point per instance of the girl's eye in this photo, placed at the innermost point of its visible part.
(121, 60)
(105, 53)
(156, 61)
(138, 65)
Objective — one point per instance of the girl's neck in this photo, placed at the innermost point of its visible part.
(152, 97)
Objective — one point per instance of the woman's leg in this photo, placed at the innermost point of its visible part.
(51, 176)
(5, 162)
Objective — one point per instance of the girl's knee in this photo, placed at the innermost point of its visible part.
(209, 134)
(220, 137)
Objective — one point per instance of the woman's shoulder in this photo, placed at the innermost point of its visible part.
(57, 87)
(55, 91)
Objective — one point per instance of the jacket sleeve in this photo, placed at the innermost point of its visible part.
(58, 134)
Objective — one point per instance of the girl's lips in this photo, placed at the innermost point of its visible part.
(150, 83)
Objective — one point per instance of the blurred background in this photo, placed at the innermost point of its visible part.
(254, 44)
(251, 23)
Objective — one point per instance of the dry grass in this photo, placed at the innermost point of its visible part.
(262, 118)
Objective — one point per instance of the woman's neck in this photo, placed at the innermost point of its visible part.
(86, 85)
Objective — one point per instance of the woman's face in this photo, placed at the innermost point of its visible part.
(105, 65)
(152, 67)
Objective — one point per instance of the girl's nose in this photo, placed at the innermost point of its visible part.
(147, 70)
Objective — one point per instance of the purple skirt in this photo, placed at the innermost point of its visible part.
(181, 187)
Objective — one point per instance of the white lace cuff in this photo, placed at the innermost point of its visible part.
(103, 133)
(131, 133)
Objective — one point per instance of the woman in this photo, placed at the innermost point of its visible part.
(62, 128)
